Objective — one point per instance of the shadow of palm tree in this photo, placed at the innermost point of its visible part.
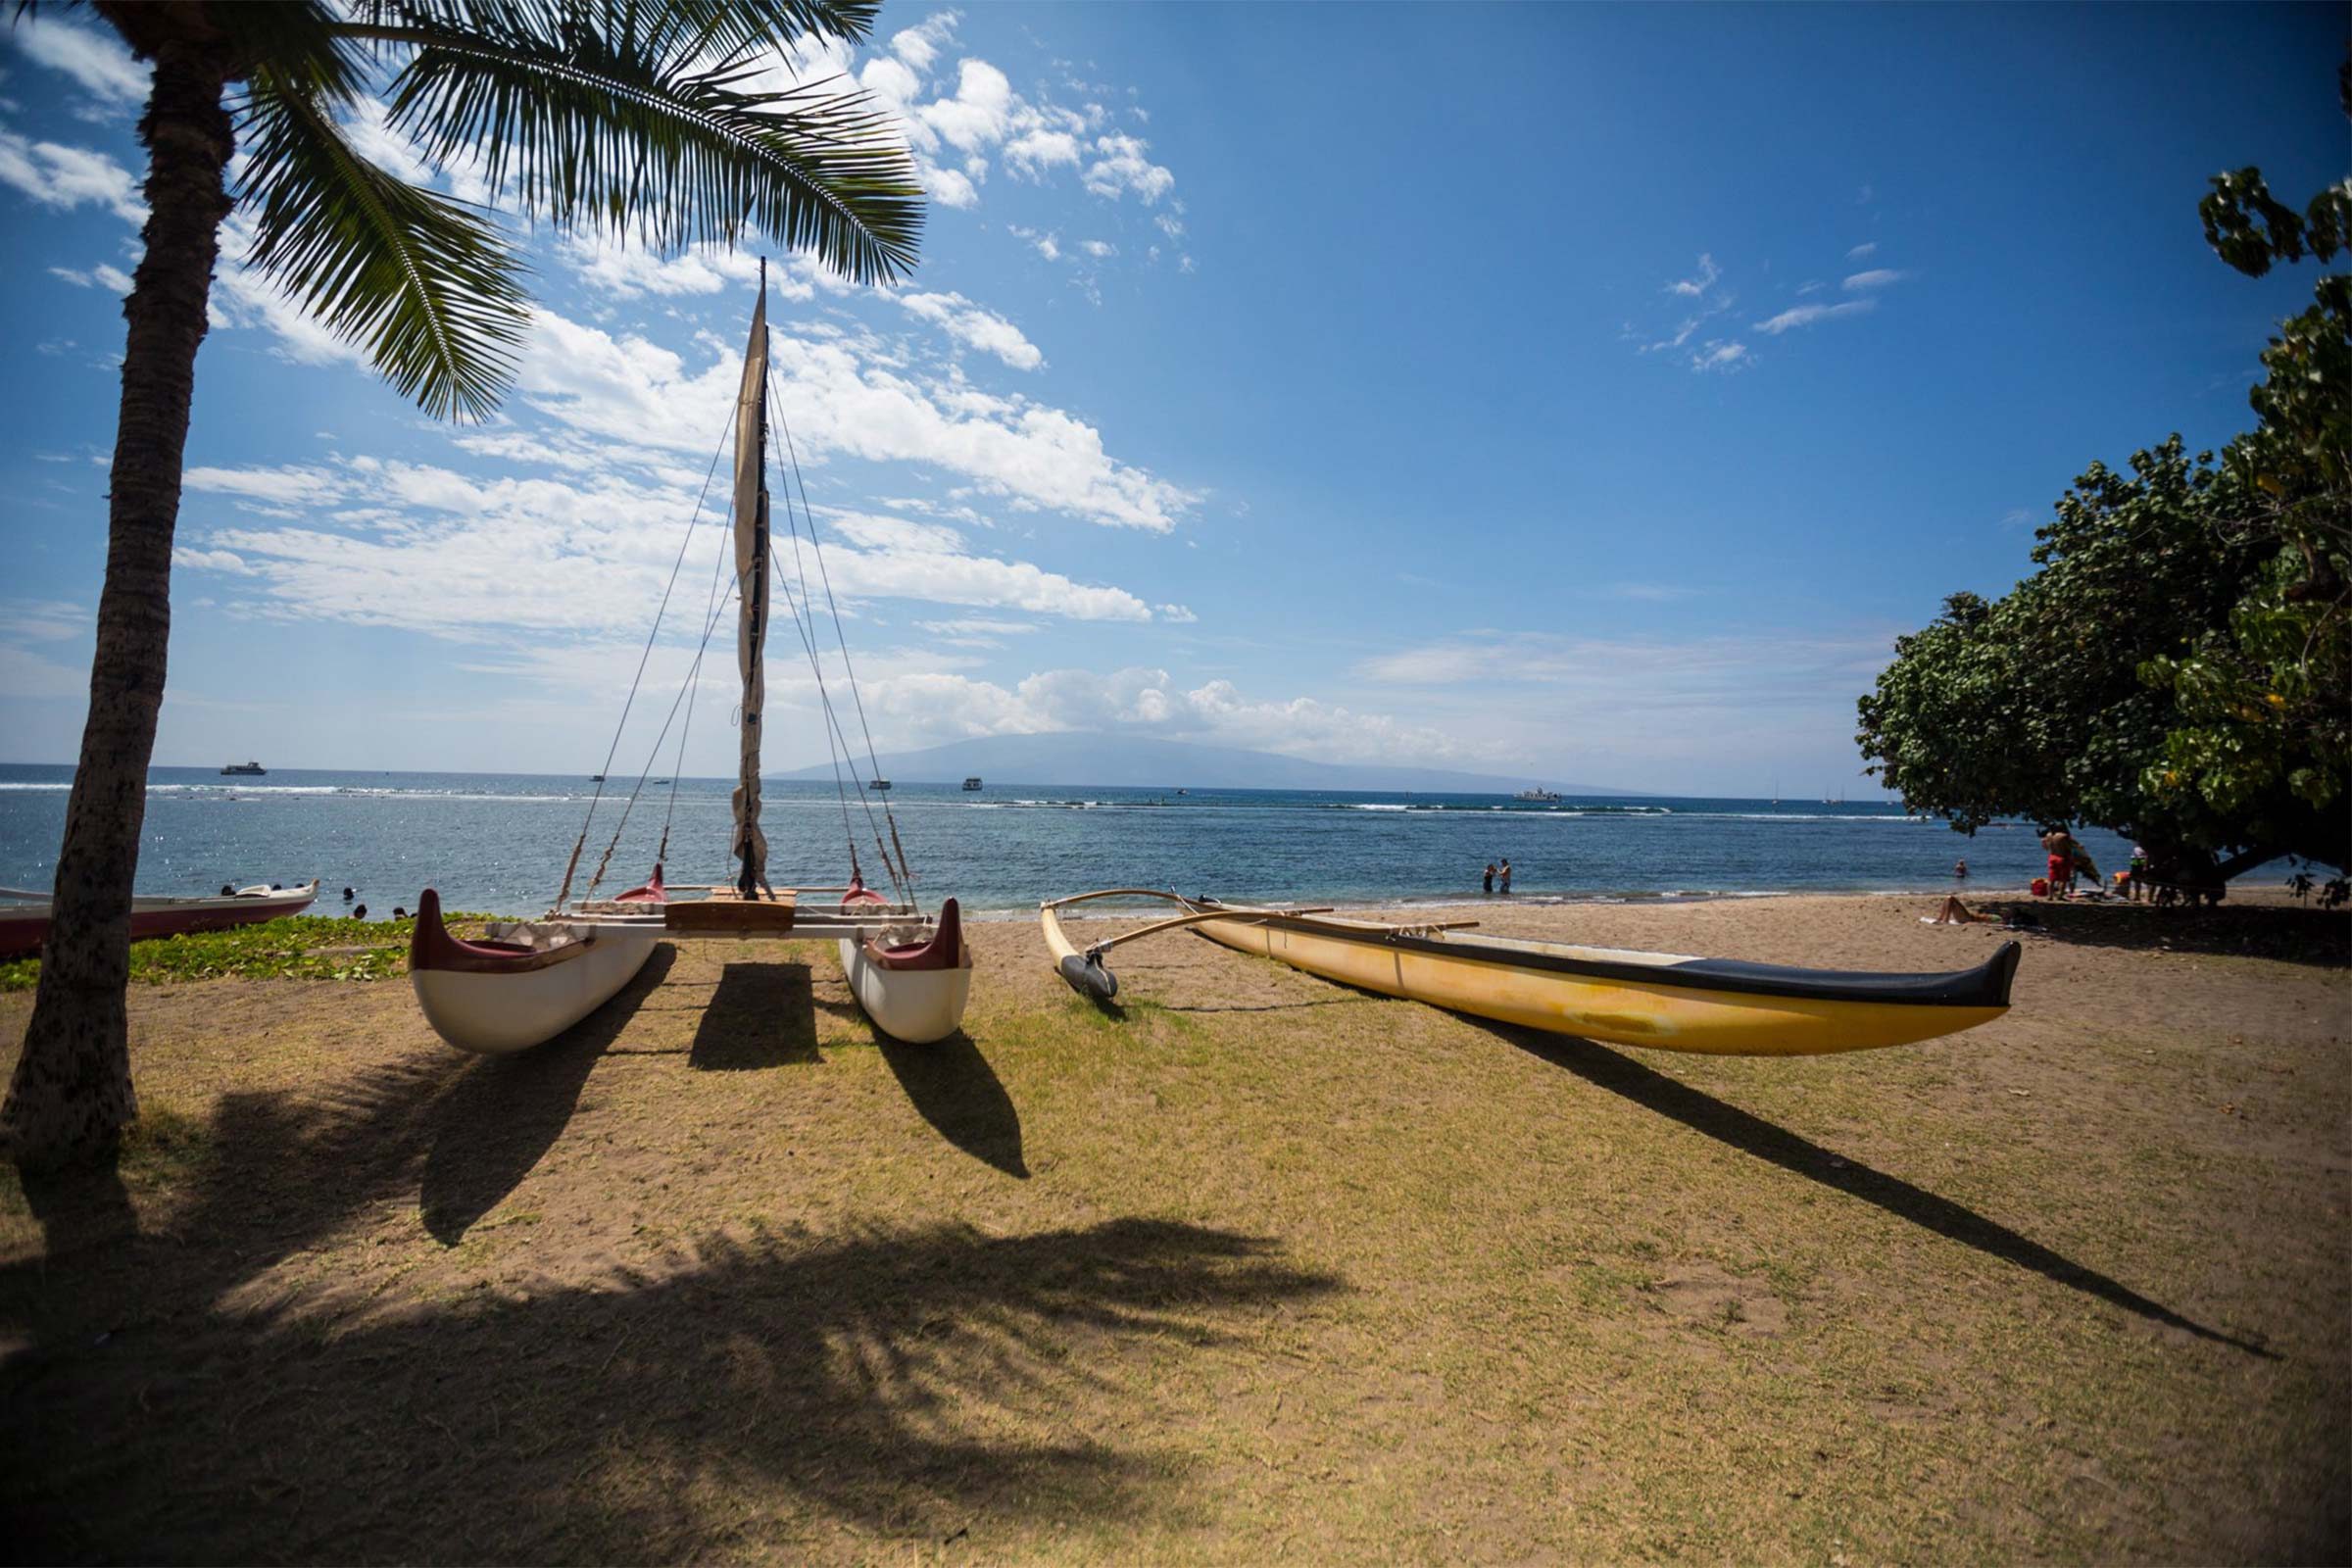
(760, 1015)
(954, 1089)
(895, 1381)
(499, 1114)
(79, 1207)
(1750, 1134)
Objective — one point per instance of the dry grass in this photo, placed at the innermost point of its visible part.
(1256, 1268)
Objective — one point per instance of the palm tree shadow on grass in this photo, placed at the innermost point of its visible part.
(899, 1382)
(760, 1015)
(501, 1114)
(1751, 1134)
(954, 1087)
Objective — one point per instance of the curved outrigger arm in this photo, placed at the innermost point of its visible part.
(1085, 970)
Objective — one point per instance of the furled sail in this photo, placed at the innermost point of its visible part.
(752, 584)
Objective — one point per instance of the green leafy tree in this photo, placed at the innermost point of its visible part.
(643, 119)
(2179, 667)
(2265, 703)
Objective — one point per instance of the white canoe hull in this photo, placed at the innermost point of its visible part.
(496, 1014)
(916, 1005)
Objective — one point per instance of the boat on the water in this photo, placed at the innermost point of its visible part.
(1539, 796)
(250, 769)
(972, 783)
(528, 981)
(24, 915)
(1660, 1001)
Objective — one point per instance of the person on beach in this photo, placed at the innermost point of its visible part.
(1506, 875)
(2138, 874)
(1954, 913)
(1489, 885)
(2059, 845)
(1960, 870)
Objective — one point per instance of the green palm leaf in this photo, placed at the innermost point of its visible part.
(642, 120)
(423, 283)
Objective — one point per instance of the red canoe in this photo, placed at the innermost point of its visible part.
(24, 916)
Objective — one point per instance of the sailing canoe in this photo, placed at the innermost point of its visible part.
(1661, 1001)
(529, 982)
(536, 979)
(913, 985)
(24, 918)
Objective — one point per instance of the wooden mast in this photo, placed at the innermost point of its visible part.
(751, 585)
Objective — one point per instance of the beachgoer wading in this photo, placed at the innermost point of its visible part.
(1488, 885)
(1506, 875)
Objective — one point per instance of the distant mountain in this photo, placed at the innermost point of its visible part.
(1132, 762)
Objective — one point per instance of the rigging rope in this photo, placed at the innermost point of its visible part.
(693, 674)
(709, 624)
(692, 523)
(836, 741)
(903, 872)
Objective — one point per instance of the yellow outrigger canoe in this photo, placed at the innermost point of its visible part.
(1663, 1000)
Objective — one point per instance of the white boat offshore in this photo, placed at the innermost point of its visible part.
(528, 981)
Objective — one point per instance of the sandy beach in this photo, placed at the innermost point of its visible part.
(1255, 1267)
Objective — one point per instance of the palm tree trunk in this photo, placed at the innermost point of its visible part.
(72, 1093)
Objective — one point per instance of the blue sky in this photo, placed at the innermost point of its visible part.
(1585, 392)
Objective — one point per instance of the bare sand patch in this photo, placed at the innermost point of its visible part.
(1257, 1267)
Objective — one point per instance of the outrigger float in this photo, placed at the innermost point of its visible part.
(1660, 1001)
(531, 980)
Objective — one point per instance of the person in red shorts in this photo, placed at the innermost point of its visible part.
(2059, 844)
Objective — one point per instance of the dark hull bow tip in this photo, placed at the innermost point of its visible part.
(1088, 978)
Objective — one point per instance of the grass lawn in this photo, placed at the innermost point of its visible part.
(1253, 1267)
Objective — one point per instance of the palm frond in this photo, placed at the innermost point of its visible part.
(721, 25)
(423, 283)
(642, 120)
(296, 40)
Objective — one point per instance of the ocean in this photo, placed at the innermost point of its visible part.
(497, 843)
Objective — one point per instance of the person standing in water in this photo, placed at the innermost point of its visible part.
(1489, 885)
(1505, 874)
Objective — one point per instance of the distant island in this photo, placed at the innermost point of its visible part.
(1081, 759)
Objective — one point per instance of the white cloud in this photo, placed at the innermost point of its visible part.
(918, 46)
(1123, 167)
(370, 542)
(1716, 355)
(1099, 249)
(26, 673)
(921, 708)
(43, 621)
(975, 632)
(1877, 277)
(980, 112)
(284, 486)
(1035, 151)
(1807, 314)
(1701, 672)
(61, 176)
(967, 322)
(1698, 284)
(627, 272)
(1047, 245)
(221, 561)
(99, 276)
(1870, 248)
(1177, 616)
(96, 59)
(841, 396)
